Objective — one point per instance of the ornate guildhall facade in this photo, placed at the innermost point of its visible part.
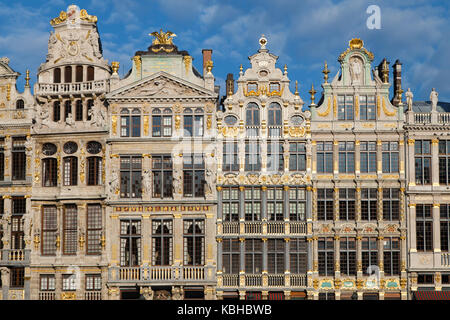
(152, 186)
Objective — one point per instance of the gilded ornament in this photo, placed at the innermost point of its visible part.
(114, 124)
(8, 92)
(146, 120)
(115, 66)
(326, 112)
(137, 62)
(209, 66)
(165, 38)
(386, 111)
(296, 132)
(378, 106)
(334, 106)
(356, 105)
(187, 60)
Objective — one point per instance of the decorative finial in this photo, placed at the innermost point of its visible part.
(263, 42)
(285, 69)
(312, 92)
(385, 71)
(296, 88)
(325, 72)
(162, 37)
(27, 79)
(115, 66)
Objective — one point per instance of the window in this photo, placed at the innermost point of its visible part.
(56, 111)
(391, 256)
(345, 107)
(162, 176)
(391, 204)
(68, 74)
(252, 156)
(49, 149)
(57, 75)
(347, 253)
(193, 124)
(297, 156)
(297, 204)
(274, 120)
(252, 203)
(274, 86)
(17, 223)
(94, 171)
(161, 124)
(20, 104)
(327, 296)
(17, 277)
(253, 256)
(90, 73)
(423, 161)
(70, 147)
(162, 242)
(194, 242)
(130, 243)
(70, 171)
(93, 282)
(67, 109)
(130, 176)
(425, 279)
(346, 157)
(298, 257)
(18, 158)
(390, 157)
(444, 161)
(79, 110)
(444, 226)
(47, 282)
(93, 147)
(194, 176)
(367, 107)
(325, 204)
(231, 253)
(347, 204)
(275, 156)
(368, 155)
(70, 230)
(324, 157)
(130, 125)
(252, 119)
(230, 156)
(49, 230)
(230, 204)
(94, 229)
(69, 282)
(49, 172)
(90, 104)
(275, 204)
(369, 254)
(252, 86)
(424, 227)
(275, 256)
(326, 256)
(369, 207)
(79, 74)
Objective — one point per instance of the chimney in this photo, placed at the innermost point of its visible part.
(397, 81)
(229, 84)
(207, 56)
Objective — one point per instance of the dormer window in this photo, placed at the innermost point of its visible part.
(274, 86)
(252, 86)
(20, 104)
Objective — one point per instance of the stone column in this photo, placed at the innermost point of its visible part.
(263, 203)
(146, 239)
(379, 157)
(219, 256)
(435, 162)
(287, 258)
(336, 204)
(359, 271)
(335, 158)
(265, 260)
(7, 203)
(337, 261)
(309, 254)
(286, 203)
(380, 244)
(412, 228)
(8, 157)
(177, 240)
(380, 204)
(357, 158)
(308, 208)
(436, 226)
(315, 255)
(411, 173)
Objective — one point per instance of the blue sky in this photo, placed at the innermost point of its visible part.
(302, 33)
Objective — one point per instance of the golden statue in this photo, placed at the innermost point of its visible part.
(162, 37)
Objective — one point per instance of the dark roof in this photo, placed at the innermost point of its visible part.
(425, 106)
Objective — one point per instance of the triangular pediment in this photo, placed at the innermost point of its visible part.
(161, 85)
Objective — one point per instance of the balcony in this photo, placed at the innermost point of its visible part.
(93, 295)
(160, 275)
(14, 257)
(297, 228)
(47, 295)
(99, 86)
(262, 280)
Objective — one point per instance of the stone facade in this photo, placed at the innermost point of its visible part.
(150, 186)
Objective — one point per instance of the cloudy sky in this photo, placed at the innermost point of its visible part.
(302, 33)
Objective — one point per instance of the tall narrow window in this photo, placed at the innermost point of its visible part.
(162, 176)
(56, 111)
(194, 175)
(79, 74)
(70, 226)
(162, 242)
(252, 120)
(274, 120)
(275, 256)
(17, 277)
(298, 256)
(347, 253)
(369, 254)
(69, 282)
(297, 204)
(230, 156)
(57, 75)
(231, 254)
(391, 204)
(325, 204)
(324, 157)
(369, 207)
(94, 171)
(130, 125)
(67, 109)
(347, 157)
(275, 156)
(49, 172)
(49, 230)
(47, 282)
(17, 223)
(367, 107)
(20, 104)
(346, 204)
(68, 74)
(253, 256)
(18, 158)
(193, 123)
(94, 229)
(130, 176)
(297, 156)
(368, 155)
(424, 227)
(391, 256)
(90, 73)
(445, 226)
(79, 111)
(70, 171)
(252, 156)
(93, 282)
(345, 107)
(194, 242)
(130, 243)
(167, 123)
(423, 161)
(275, 204)
(326, 256)
(156, 123)
(230, 204)
(252, 204)
(136, 123)
(390, 157)
(444, 161)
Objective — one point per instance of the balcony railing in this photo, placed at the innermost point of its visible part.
(297, 228)
(423, 118)
(253, 227)
(444, 118)
(273, 228)
(161, 274)
(298, 280)
(93, 295)
(261, 280)
(230, 280)
(98, 86)
(253, 280)
(445, 259)
(13, 256)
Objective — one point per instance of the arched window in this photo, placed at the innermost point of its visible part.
(49, 172)
(57, 75)
(79, 111)
(67, 109)
(20, 104)
(252, 114)
(90, 74)
(193, 124)
(68, 74)
(94, 171)
(70, 171)
(274, 120)
(79, 74)
(56, 111)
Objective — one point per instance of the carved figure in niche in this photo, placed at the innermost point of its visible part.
(147, 181)
(70, 120)
(4, 274)
(177, 293)
(114, 183)
(42, 115)
(52, 40)
(94, 42)
(409, 99)
(434, 99)
(355, 70)
(177, 183)
(210, 179)
(96, 114)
